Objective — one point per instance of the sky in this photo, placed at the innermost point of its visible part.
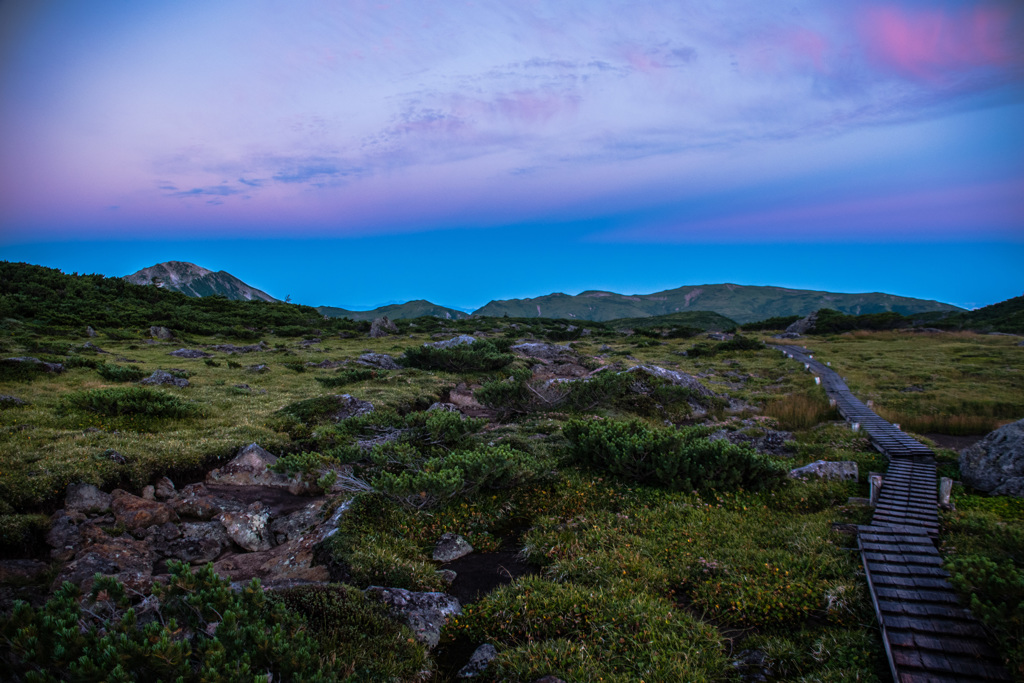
(356, 153)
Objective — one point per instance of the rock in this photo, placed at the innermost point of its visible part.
(196, 501)
(86, 498)
(22, 571)
(190, 353)
(249, 468)
(478, 661)
(845, 470)
(444, 407)
(770, 442)
(451, 547)
(198, 543)
(149, 492)
(425, 613)
(231, 348)
(11, 401)
(995, 464)
(306, 343)
(382, 327)
(158, 332)
(787, 335)
(164, 489)
(349, 406)
(160, 377)
(89, 346)
(292, 526)
(680, 379)
(324, 364)
(804, 325)
(130, 561)
(249, 528)
(89, 332)
(447, 575)
(753, 666)
(138, 513)
(454, 341)
(258, 369)
(379, 360)
(549, 679)
(544, 351)
(64, 535)
(114, 456)
(55, 368)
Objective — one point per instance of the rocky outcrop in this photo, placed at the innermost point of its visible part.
(425, 613)
(249, 528)
(995, 464)
(195, 543)
(196, 502)
(549, 352)
(679, 379)
(251, 467)
(349, 406)
(137, 513)
(162, 377)
(128, 560)
(159, 332)
(381, 361)
(451, 547)
(844, 471)
(804, 325)
(86, 498)
(454, 341)
(231, 348)
(190, 353)
(382, 327)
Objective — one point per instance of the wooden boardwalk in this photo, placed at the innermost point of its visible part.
(929, 637)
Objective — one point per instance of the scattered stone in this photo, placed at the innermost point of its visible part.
(114, 456)
(349, 406)
(324, 364)
(478, 661)
(719, 336)
(190, 353)
(164, 488)
(453, 342)
(995, 464)
(149, 492)
(447, 575)
(443, 407)
(845, 470)
(86, 498)
(11, 401)
(89, 346)
(231, 348)
(804, 325)
(138, 513)
(243, 387)
(89, 332)
(249, 529)
(451, 547)
(379, 360)
(425, 613)
(912, 389)
(787, 335)
(382, 327)
(770, 442)
(48, 367)
(161, 377)
(306, 343)
(158, 332)
(544, 351)
(549, 679)
(752, 666)
(258, 369)
(604, 348)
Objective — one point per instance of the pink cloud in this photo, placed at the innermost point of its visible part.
(925, 44)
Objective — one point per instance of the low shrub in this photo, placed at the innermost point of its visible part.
(483, 355)
(681, 459)
(295, 366)
(996, 594)
(351, 376)
(141, 401)
(120, 373)
(737, 343)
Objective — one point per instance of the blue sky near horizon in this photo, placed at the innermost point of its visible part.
(363, 152)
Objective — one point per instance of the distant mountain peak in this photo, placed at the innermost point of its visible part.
(193, 280)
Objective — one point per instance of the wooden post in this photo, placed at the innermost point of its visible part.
(945, 493)
(855, 426)
(876, 488)
(817, 380)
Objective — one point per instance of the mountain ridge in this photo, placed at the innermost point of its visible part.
(193, 280)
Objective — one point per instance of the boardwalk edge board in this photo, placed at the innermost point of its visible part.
(928, 635)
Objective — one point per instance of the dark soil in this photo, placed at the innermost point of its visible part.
(480, 573)
(957, 443)
(278, 500)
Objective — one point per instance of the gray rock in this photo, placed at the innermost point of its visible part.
(89, 346)
(195, 501)
(753, 666)
(164, 488)
(148, 492)
(11, 401)
(162, 377)
(158, 332)
(89, 332)
(787, 335)
(251, 467)
(549, 679)
(232, 349)
(258, 369)
(845, 470)
(198, 543)
(995, 464)
(447, 575)
(451, 547)
(48, 367)
(444, 407)
(324, 364)
(190, 353)
(379, 360)
(130, 561)
(425, 613)
(680, 379)
(292, 526)
(64, 534)
(478, 661)
(382, 327)
(114, 456)
(544, 351)
(86, 498)
(771, 442)
(350, 406)
(453, 342)
(249, 528)
(804, 325)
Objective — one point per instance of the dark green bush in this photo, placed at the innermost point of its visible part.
(204, 631)
(17, 371)
(295, 366)
(681, 459)
(776, 323)
(996, 593)
(141, 401)
(350, 376)
(120, 373)
(483, 355)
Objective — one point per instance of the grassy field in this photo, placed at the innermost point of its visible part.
(634, 580)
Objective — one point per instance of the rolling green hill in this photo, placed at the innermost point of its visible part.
(410, 309)
(741, 303)
(703, 320)
(1005, 316)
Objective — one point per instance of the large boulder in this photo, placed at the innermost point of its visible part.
(379, 360)
(544, 351)
(251, 467)
(382, 327)
(249, 528)
(460, 340)
(198, 543)
(160, 332)
(995, 464)
(160, 377)
(190, 353)
(425, 613)
(451, 547)
(804, 325)
(845, 470)
(679, 379)
(86, 498)
(138, 513)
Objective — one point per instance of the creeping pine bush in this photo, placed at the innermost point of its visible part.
(483, 355)
(204, 631)
(681, 459)
(130, 401)
(350, 376)
(120, 373)
(996, 591)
